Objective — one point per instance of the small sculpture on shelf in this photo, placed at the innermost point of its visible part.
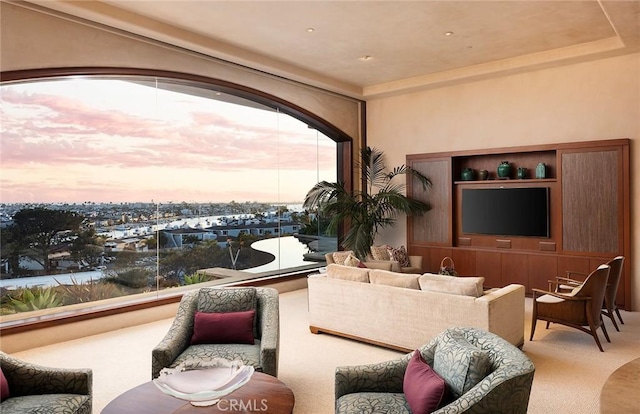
(504, 169)
(541, 171)
(468, 174)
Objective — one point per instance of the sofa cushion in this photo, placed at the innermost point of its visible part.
(468, 286)
(47, 403)
(223, 328)
(380, 252)
(459, 363)
(355, 274)
(373, 402)
(403, 280)
(423, 388)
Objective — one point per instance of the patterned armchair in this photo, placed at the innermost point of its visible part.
(504, 389)
(176, 346)
(39, 389)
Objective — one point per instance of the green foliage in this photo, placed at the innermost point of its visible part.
(134, 278)
(366, 212)
(30, 299)
(87, 291)
(197, 278)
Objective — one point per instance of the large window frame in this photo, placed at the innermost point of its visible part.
(344, 170)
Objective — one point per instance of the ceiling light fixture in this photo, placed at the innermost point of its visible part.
(448, 33)
(366, 57)
(310, 30)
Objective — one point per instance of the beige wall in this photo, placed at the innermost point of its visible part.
(33, 40)
(587, 101)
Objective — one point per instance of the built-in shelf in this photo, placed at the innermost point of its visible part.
(508, 181)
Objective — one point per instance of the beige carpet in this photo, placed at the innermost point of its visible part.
(570, 370)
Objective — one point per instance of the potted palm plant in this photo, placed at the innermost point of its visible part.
(372, 209)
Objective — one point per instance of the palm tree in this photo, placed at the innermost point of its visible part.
(366, 212)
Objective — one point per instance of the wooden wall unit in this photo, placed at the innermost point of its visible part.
(589, 186)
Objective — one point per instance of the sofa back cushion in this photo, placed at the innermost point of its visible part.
(460, 363)
(354, 274)
(403, 280)
(467, 286)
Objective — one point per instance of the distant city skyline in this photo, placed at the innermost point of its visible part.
(115, 141)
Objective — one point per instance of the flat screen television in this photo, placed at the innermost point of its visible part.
(507, 211)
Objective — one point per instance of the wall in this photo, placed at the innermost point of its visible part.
(34, 40)
(587, 101)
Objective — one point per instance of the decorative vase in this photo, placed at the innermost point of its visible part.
(541, 170)
(467, 174)
(483, 174)
(522, 173)
(504, 169)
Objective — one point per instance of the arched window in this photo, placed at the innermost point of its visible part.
(141, 183)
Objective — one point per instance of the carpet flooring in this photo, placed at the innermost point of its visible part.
(570, 370)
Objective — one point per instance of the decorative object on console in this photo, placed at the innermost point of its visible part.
(504, 169)
(447, 267)
(467, 174)
(541, 171)
(522, 173)
(483, 175)
(371, 208)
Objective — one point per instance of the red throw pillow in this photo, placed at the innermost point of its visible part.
(423, 388)
(223, 328)
(4, 386)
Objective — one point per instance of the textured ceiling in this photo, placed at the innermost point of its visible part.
(405, 40)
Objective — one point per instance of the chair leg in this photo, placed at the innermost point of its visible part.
(604, 329)
(533, 328)
(609, 312)
(619, 317)
(593, 331)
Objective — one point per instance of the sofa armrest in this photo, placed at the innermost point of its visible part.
(505, 310)
(177, 338)
(31, 379)
(269, 326)
(415, 261)
(385, 376)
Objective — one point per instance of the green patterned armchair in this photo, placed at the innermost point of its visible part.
(38, 389)
(177, 348)
(499, 381)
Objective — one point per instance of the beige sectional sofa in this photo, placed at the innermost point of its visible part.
(405, 311)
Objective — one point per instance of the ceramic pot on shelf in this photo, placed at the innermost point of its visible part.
(483, 175)
(504, 169)
(541, 171)
(467, 174)
(522, 173)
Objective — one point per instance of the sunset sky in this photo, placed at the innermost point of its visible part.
(115, 141)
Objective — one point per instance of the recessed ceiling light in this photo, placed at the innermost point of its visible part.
(366, 57)
(310, 30)
(448, 33)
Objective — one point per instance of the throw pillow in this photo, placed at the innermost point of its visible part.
(352, 261)
(223, 328)
(380, 253)
(423, 389)
(459, 363)
(399, 255)
(341, 257)
(228, 300)
(4, 386)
